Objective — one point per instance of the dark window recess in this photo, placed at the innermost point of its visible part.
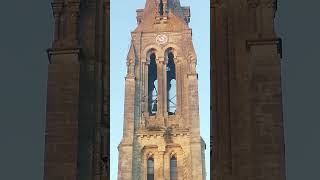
(161, 8)
(171, 85)
(150, 169)
(173, 168)
(152, 86)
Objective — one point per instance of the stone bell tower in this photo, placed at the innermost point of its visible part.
(161, 134)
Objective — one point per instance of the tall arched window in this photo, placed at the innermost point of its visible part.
(173, 168)
(171, 84)
(152, 86)
(150, 169)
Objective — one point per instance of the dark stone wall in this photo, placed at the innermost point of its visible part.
(62, 122)
(77, 132)
(247, 124)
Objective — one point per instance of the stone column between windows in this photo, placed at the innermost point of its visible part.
(144, 87)
(161, 164)
(160, 103)
(179, 83)
(166, 166)
(165, 88)
(184, 94)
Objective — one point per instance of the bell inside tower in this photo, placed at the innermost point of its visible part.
(152, 86)
(171, 84)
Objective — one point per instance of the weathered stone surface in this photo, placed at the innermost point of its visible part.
(62, 125)
(77, 124)
(246, 111)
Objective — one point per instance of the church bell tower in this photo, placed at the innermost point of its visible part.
(161, 133)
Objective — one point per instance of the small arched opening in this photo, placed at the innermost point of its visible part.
(173, 168)
(150, 168)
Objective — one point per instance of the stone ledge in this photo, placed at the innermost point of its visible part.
(62, 51)
(265, 41)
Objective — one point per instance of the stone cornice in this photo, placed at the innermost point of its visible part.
(192, 75)
(162, 132)
(60, 51)
(266, 41)
(147, 134)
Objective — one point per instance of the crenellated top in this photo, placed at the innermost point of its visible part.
(168, 13)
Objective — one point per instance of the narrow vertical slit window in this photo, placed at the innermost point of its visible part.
(150, 169)
(171, 85)
(173, 168)
(152, 86)
(161, 8)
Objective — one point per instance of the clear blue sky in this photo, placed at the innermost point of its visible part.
(123, 21)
